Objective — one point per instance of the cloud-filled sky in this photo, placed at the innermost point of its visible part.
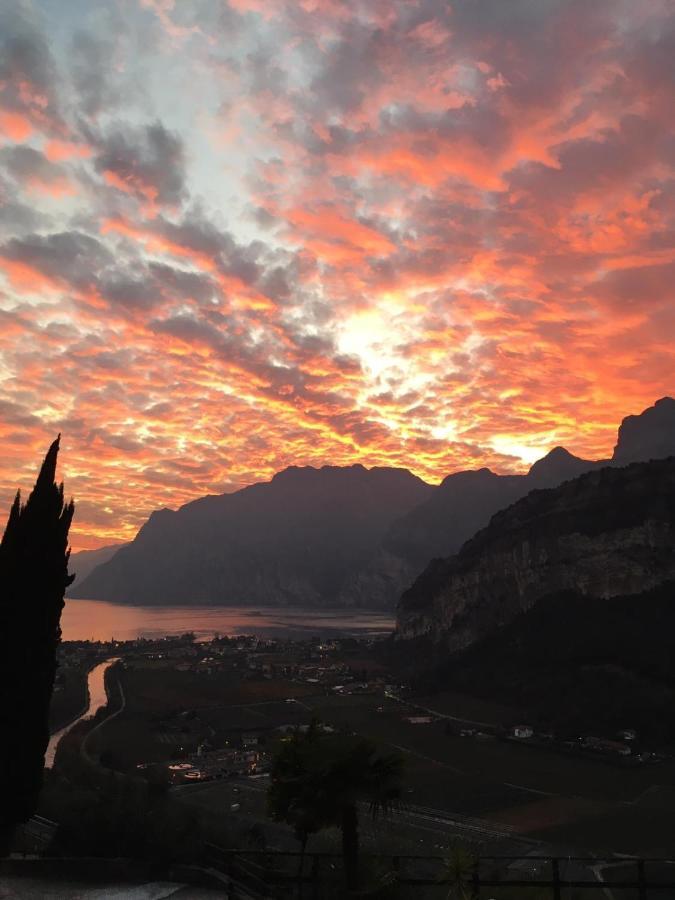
(237, 235)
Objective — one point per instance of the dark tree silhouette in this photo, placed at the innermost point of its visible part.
(33, 578)
(319, 781)
(291, 797)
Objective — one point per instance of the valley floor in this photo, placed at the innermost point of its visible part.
(500, 796)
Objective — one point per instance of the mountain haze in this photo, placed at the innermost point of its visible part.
(83, 562)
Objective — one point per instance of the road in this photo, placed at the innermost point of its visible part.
(428, 823)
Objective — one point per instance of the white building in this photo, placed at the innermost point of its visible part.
(522, 731)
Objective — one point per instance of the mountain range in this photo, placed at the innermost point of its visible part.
(562, 607)
(344, 536)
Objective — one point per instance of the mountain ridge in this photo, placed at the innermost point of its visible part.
(435, 523)
(267, 543)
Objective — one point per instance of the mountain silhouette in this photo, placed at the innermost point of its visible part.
(651, 435)
(293, 540)
(344, 536)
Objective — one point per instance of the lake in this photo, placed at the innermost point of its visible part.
(100, 621)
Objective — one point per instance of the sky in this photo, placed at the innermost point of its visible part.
(237, 235)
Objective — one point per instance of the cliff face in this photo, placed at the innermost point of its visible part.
(607, 533)
(651, 435)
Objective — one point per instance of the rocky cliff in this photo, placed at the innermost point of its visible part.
(608, 533)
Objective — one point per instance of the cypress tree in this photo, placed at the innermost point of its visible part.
(33, 578)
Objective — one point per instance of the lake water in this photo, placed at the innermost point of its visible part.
(97, 699)
(99, 621)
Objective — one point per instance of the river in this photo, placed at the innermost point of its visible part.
(97, 699)
(97, 620)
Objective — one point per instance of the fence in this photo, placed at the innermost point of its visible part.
(319, 875)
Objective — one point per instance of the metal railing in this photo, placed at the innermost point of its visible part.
(641, 879)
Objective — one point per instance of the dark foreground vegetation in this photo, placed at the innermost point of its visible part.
(319, 781)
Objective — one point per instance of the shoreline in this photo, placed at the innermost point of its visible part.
(103, 621)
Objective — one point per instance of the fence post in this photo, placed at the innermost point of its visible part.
(642, 884)
(555, 866)
(315, 877)
(475, 880)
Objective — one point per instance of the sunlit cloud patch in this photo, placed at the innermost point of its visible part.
(244, 235)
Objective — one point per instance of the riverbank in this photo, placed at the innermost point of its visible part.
(70, 699)
(96, 697)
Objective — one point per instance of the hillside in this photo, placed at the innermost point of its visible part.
(605, 534)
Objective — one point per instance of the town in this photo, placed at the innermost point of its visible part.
(195, 743)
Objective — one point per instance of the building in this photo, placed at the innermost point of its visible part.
(522, 731)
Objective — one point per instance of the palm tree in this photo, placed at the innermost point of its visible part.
(323, 780)
(291, 797)
(458, 870)
(356, 774)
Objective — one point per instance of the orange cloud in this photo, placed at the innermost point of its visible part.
(15, 126)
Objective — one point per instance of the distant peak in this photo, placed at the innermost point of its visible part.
(558, 465)
(560, 453)
(555, 456)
